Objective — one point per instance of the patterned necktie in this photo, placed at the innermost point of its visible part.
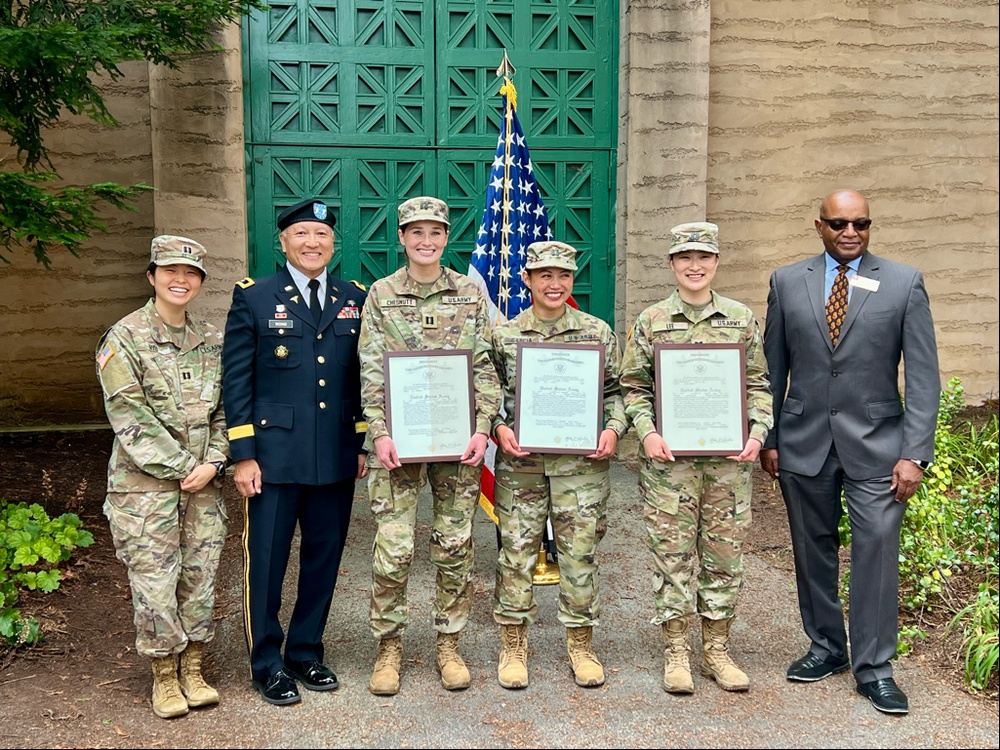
(314, 307)
(836, 305)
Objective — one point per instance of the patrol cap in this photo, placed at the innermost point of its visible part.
(168, 250)
(311, 209)
(423, 208)
(698, 235)
(551, 254)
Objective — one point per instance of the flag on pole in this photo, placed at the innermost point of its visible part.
(513, 218)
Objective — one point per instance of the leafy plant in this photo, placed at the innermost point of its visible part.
(32, 546)
(54, 58)
(980, 642)
(951, 530)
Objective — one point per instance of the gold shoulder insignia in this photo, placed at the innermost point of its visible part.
(359, 285)
(246, 283)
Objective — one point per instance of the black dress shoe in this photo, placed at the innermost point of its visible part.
(279, 689)
(886, 696)
(812, 667)
(313, 675)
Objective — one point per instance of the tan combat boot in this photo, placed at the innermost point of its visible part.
(385, 675)
(587, 670)
(193, 685)
(451, 665)
(167, 699)
(676, 667)
(512, 671)
(716, 663)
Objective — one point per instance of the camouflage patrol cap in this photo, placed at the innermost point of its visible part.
(698, 235)
(168, 250)
(551, 254)
(423, 208)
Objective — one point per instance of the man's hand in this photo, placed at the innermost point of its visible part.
(385, 450)
(769, 461)
(199, 478)
(476, 450)
(906, 478)
(247, 477)
(656, 447)
(606, 445)
(362, 466)
(750, 451)
(508, 442)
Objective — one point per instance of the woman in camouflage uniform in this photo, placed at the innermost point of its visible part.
(697, 510)
(161, 374)
(419, 307)
(531, 487)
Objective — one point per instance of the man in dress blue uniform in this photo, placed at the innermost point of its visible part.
(292, 394)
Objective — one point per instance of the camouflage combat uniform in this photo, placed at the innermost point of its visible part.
(695, 507)
(572, 488)
(401, 314)
(163, 396)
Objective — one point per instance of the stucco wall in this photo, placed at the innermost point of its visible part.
(182, 132)
(745, 112)
(50, 320)
(896, 99)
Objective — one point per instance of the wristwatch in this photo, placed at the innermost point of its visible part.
(924, 465)
(220, 468)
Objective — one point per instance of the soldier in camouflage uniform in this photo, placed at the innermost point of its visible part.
(419, 307)
(697, 510)
(571, 488)
(161, 373)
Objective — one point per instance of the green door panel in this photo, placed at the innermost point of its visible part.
(364, 104)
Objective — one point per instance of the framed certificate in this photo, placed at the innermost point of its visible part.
(701, 405)
(559, 397)
(429, 408)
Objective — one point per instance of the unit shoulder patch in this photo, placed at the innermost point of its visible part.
(246, 283)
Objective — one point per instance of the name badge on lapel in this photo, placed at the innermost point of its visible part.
(863, 282)
(281, 323)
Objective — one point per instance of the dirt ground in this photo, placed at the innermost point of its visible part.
(87, 659)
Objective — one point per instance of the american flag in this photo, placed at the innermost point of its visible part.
(513, 218)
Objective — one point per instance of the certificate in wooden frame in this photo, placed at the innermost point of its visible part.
(701, 403)
(429, 403)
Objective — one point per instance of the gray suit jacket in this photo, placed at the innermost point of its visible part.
(849, 395)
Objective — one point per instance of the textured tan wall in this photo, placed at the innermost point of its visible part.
(663, 156)
(50, 320)
(896, 99)
(198, 164)
(182, 132)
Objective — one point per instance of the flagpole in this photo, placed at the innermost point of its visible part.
(506, 70)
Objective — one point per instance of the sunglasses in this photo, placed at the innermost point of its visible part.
(839, 225)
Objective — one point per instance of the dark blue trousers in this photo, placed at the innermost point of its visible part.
(323, 514)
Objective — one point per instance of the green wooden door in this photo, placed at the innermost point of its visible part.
(367, 103)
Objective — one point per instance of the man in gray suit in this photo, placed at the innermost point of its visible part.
(836, 327)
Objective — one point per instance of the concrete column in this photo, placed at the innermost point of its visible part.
(663, 164)
(196, 131)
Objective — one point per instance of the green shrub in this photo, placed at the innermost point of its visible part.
(950, 530)
(32, 546)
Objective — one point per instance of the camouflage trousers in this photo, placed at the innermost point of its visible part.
(697, 514)
(578, 507)
(170, 543)
(393, 495)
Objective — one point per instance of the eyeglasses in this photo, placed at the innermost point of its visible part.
(839, 225)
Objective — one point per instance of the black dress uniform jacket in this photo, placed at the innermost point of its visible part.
(292, 395)
(292, 387)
